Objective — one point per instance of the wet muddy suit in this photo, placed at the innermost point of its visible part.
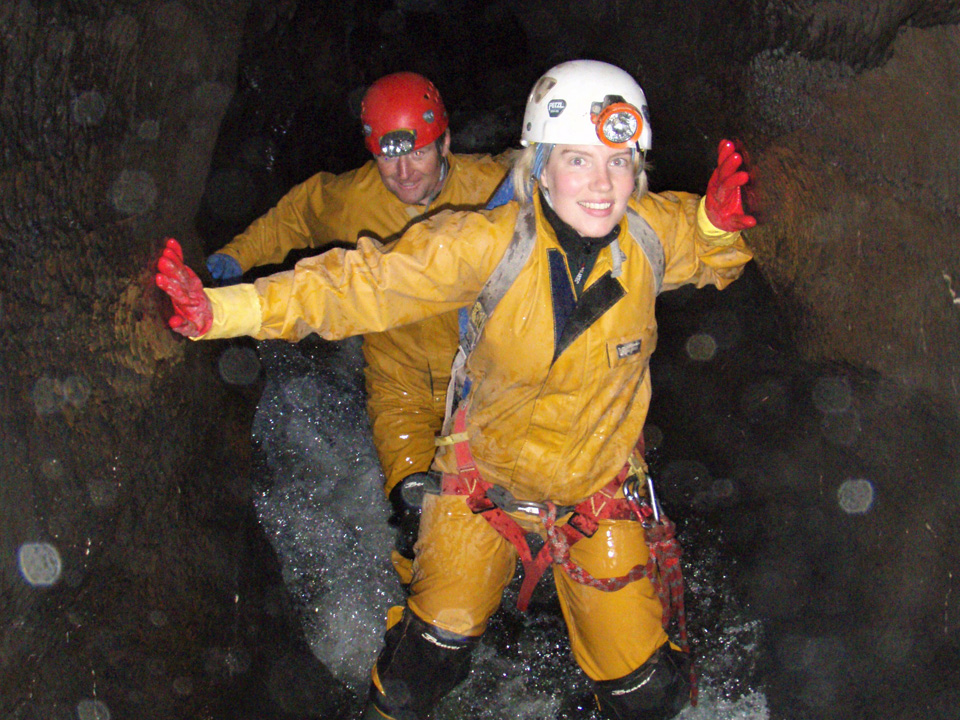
(558, 393)
(408, 368)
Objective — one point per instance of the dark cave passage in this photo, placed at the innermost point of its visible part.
(804, 430)
(794, 476)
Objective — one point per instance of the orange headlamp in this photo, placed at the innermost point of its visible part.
(618, 124)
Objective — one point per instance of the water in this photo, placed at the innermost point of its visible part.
(321, 503)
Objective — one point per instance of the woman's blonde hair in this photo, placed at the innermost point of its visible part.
(521, 174)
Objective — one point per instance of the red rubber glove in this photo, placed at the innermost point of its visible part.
(724, 205)
(192, 313)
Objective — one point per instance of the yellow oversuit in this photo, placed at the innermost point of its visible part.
(552, 415)
(407, 368)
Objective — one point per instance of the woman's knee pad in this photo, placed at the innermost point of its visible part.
(657, 690)
(419, 664)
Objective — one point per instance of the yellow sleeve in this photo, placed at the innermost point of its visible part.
(236, 311)
(439, 266)
(696, 252)
(711, 234)
(306, 217)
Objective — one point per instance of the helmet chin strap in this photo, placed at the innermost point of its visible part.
(539, 161)
(444, 168)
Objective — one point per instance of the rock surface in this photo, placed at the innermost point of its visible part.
(135, 580)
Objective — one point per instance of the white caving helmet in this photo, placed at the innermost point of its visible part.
(587, 102)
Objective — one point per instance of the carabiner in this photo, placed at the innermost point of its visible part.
(652, 496)
(631, 491)
(648, 508)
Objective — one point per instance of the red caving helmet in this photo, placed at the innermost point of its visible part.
(401, 113)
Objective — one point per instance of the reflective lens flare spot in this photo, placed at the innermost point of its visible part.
(701, 347)
(40, 564)
(92, 710)
(855, 496)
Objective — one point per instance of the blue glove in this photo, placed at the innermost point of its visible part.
(503, 194)
(224, 269)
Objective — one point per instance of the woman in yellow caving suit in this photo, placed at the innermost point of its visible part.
(556, 387)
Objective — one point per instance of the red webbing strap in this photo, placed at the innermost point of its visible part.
(662, 566)
(582, 523)
(470, 483)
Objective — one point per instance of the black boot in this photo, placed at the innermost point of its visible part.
(418, 666)
(657, 690)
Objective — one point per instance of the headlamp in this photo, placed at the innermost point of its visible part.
(618, 123)
(397, 142)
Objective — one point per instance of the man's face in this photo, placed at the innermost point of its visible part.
(589, 186)
(415, 177)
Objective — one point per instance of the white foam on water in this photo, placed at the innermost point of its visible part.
(323, 510)
(752, 706)
(325, 513)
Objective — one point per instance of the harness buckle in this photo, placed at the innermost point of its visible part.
(530, 508)
(505, 500)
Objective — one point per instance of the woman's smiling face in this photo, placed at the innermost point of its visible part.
(589, 186)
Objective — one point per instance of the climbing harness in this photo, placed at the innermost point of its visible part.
(494, 503)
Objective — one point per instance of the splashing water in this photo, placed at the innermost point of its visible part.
(321, 504)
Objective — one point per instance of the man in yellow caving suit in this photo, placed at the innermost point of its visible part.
(412, 174)
(555, 388)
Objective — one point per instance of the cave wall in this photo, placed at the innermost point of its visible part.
(124, 450)
(109, 112)
(862, 200)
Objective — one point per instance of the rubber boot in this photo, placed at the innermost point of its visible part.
(418, 666)
(657, 690)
